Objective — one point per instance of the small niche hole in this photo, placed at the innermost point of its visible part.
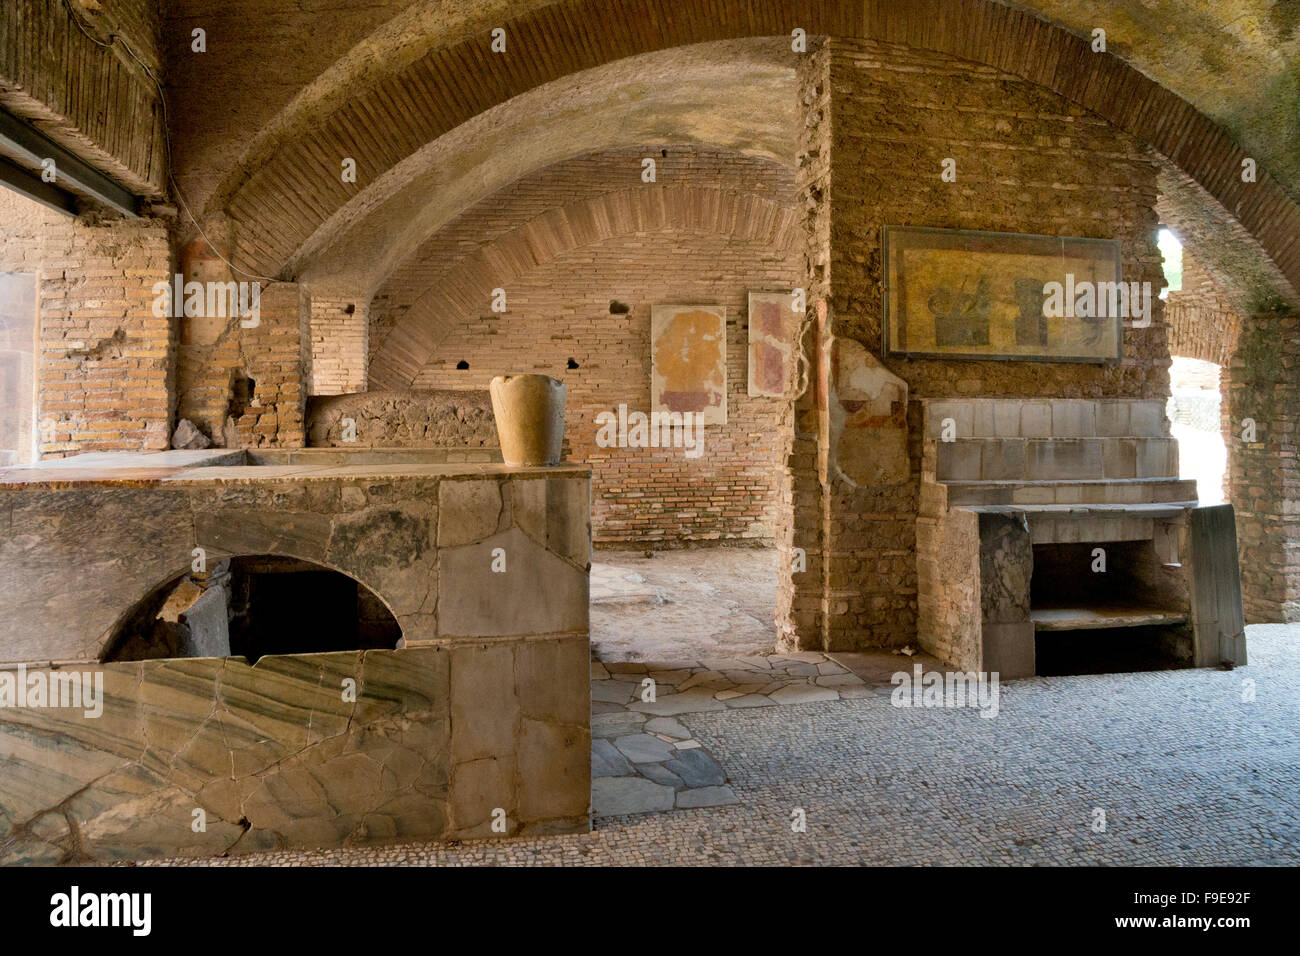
(241, 394)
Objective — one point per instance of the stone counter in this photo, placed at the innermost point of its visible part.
(80, 545)
(482, 714)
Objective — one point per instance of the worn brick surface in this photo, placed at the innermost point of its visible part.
(1028, 161)
(103, 360)
(567, 242)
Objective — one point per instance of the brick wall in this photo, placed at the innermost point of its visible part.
(273, 358)
(1257, 382)
(109, 371)
(1027, 162)
(567, 242)
(339, 330)
(450, 264)
(1262, 385)
(562, 313)
(1256, 342)
(103, 370)
(220, 361)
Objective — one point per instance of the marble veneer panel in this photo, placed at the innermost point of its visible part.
(276, 755)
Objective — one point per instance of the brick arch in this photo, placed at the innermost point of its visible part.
(1200, 332)
(1202, 323)
(734, 95)
(466, 288)
(276, 208)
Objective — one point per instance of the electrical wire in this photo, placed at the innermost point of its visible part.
(114, 37)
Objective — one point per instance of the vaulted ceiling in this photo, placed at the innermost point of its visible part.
(436, 120)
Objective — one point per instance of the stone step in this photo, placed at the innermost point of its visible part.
(1054, 459)
(1119, 491)
(1046, 418)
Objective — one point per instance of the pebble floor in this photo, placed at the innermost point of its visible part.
(1185, 770)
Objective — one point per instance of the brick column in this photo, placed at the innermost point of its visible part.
(1264, 476)
(800, 605)
(242, 382)
(880, 123)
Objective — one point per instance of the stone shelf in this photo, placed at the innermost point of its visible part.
(1097, 618)
(1144, 509)
(1118, 491)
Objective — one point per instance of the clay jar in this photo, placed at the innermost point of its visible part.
(529, 413)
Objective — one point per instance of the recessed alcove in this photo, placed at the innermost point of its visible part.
(253, 606)
(1105, 607)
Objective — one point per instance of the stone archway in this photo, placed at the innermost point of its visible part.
(1235, 319)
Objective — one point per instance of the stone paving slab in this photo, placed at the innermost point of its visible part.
(706, 797)
(668, 727)
(656, 746)
(729, 682)
(697, 700)
(643, 748)
(606, 761)
(696, 768)
(616, 724)
(803, 694)
(619, 796)
(660, 773)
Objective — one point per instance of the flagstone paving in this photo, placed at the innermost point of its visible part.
(642, 758)
(684, 687)
(1189, 767)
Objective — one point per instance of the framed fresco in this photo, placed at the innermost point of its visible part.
(688, 361)
(773, 326)
(950, 293)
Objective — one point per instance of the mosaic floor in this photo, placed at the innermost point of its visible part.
(1168, 767)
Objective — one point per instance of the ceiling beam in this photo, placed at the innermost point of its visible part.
(35, 188)
(27, 144)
